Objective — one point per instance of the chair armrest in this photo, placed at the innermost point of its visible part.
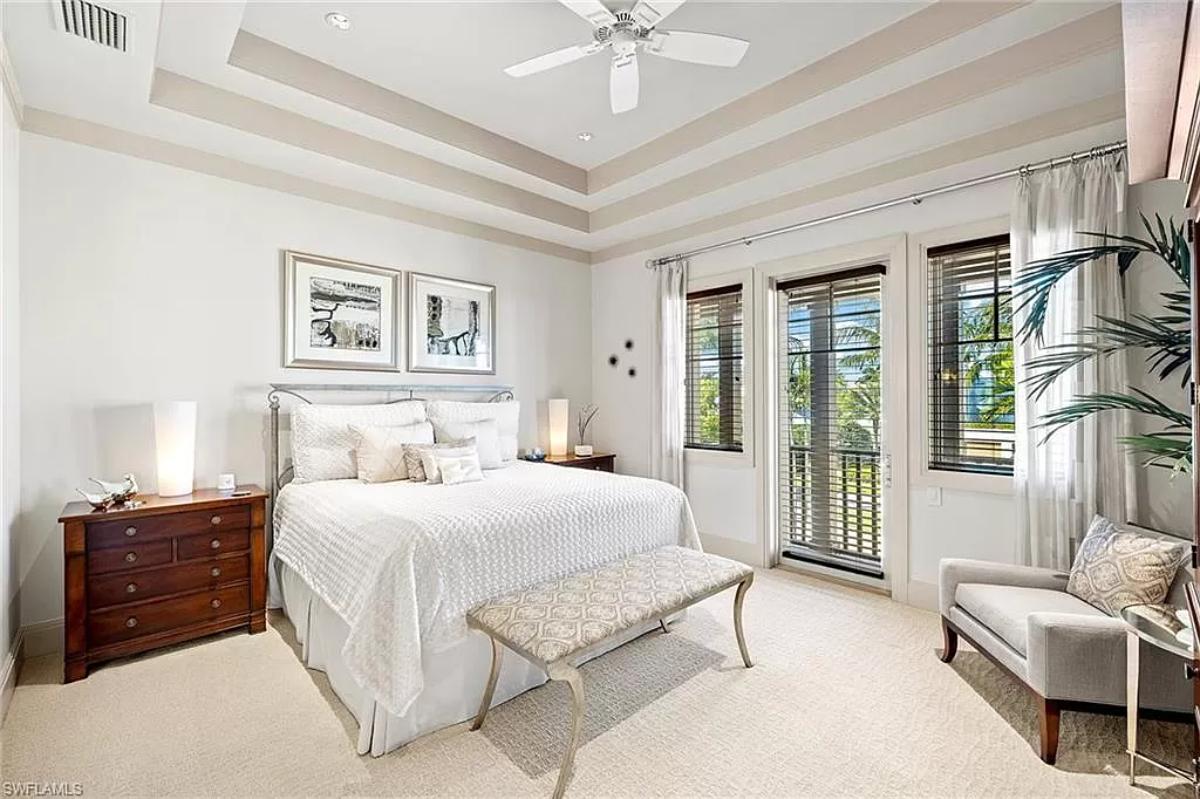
(1073, 656)
(952, 571)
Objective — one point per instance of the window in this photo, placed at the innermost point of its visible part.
(714, 370)
(971, 396)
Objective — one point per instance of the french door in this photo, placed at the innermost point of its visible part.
(831, 467)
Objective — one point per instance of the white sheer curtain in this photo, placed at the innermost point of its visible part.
(666, 457)
(1081, 470)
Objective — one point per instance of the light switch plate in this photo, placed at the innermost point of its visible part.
(933, 496)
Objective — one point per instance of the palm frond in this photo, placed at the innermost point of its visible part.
(1167, 449)
(1083, 406)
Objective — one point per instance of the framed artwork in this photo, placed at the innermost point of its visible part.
(339, 314)
(451, 325)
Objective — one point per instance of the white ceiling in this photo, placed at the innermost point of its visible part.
(452, 55)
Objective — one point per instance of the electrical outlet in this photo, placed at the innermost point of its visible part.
(933, 496)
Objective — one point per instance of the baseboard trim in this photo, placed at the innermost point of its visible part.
(922, 595)
(43, 638)
(10, 670)
(747, 552)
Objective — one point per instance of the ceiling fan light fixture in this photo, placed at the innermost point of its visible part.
(338, 20)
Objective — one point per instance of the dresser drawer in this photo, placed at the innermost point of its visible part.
(205, 546)
(122, 588)
(131, 556)
(132, 621)
(120, 533)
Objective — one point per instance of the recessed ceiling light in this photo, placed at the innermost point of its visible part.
(585, 136)
(338, 20)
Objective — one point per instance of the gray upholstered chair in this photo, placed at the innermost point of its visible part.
(1070, 654)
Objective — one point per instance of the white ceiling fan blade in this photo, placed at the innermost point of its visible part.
(592, 10)
(623, 83)
(649, 13)
(698, 48)
(555, 59)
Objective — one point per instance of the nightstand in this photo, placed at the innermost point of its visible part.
(170, 570)
(598, 462)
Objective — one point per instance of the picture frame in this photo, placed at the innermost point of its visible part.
(340, 314)
(451, 325)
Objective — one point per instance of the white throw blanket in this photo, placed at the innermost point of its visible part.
(402, 563)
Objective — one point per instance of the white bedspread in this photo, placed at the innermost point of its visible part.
(402, 563)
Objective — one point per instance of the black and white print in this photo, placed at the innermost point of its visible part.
(452, 325)
(344, 315)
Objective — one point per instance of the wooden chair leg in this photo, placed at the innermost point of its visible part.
(949, 642)
(1048, 714)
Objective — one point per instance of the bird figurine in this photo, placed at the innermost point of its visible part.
(120, 492)
(97, 501)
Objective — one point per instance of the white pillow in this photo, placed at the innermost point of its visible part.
(455, 469)
(379, 451)
(322, 444)
(429, 457)
(507, 416)
(486, 435)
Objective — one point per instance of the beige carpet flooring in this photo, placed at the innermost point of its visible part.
(847, 699)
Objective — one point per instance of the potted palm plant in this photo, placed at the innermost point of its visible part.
(1164, 338)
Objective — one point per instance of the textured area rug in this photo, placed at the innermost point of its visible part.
(847, 699)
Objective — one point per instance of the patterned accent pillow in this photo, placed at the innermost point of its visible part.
(429, 455)
(455, 469)
(1115, 569)
(380, 450)
(415, 458)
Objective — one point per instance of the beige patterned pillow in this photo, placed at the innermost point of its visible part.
(1115, 569)
(415, 458)
(379, 451)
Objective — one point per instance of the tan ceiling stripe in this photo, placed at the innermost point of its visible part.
(283, 65)
(1055, 123)
(120, 141)
(1066, 44)
(244, 113)
(925, 28)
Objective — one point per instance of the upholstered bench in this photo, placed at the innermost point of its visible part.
(560, 623)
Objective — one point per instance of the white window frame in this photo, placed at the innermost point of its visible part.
(700, 457)
(918, 293)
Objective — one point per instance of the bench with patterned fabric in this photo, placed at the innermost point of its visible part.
(560, 623)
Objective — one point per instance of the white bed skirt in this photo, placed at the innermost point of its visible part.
(454, 677)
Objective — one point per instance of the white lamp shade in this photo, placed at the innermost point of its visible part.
(175, 440)
(559, 413)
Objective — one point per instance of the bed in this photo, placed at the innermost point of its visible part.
(377, 578)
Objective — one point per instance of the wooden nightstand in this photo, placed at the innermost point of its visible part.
(598, 461)
(169, 570)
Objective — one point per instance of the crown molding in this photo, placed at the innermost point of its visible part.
(938, 22)
(275, 62)
(213, 104)
(1046, 52)
(1055, 123)
(115, 140)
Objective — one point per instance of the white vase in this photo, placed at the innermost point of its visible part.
(583, 450)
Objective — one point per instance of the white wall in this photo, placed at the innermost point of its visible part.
(142, 281)
(10, 409)
(727, 500)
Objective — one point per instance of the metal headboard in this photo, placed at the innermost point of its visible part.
(279, 477)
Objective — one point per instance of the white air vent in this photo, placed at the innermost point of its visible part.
(93, 22)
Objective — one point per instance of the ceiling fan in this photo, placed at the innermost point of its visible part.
(626, 32)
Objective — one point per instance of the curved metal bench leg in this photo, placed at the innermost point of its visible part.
(743, 587)
(574, 679)
(497, 652)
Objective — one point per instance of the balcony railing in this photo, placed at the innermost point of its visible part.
(831, 507)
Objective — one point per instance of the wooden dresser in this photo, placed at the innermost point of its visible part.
(172, 569)
(597, 461)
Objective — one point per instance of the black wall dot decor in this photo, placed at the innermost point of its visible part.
(632, 372)
(628, 343)
(612, 360)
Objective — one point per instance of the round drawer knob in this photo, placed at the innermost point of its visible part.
(131, 621)
(130, 531)
(215, 520)
(215, 543)
(216, 603)
(131, 588)
(215, 571)
(130, 557)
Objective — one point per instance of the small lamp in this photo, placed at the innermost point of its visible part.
(175, 440)
(559, 413)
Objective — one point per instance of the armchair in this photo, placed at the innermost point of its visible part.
(1069, 654)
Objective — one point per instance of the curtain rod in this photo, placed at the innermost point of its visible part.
(914, 199)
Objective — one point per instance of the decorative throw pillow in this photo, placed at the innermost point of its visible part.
(415, 458)
(1115, 569)
(506, 414)
(456, 469)
(322, 444)
(486, 433)
(429, 462)
(380, 450)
